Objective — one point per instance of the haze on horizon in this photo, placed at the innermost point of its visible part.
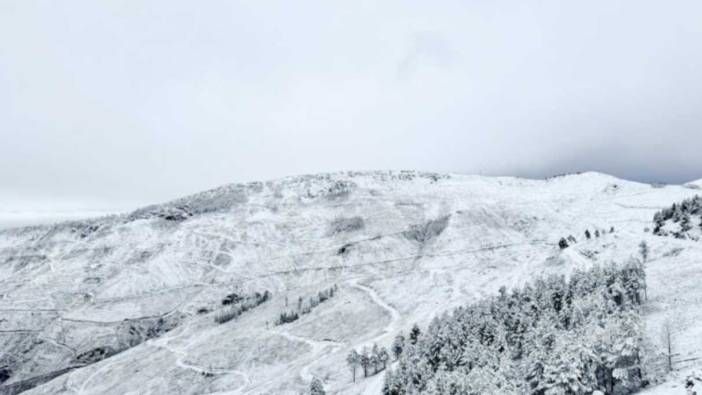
(110, 105)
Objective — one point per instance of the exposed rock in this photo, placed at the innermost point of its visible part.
(345, 225)
(423, 233)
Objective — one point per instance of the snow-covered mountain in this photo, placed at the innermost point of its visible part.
(127, 304)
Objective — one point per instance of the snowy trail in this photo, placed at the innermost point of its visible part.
(181, 362)
(318, 347)
(375, 387)
(181, 356)
(395, 317)
(71, 350)
(108, 363)
(374, 384)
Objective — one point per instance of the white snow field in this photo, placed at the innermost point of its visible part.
(402, 247)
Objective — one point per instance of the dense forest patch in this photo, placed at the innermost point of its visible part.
(681, 220)
(554, 336)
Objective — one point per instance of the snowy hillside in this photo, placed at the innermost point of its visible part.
(127, 304)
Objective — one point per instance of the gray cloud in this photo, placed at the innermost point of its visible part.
(114, 103)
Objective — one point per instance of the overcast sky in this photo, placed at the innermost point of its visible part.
(107, 105)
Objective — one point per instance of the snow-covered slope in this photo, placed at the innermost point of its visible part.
(697, 184)
(401, 246)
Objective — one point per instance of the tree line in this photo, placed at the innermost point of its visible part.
(370, 361)
(566, 242)
(679, 213)
(306, 306)
(238, 306)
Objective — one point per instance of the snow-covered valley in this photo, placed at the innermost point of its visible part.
(127, 304)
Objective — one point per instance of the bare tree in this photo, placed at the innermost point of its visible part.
(365, 361)
(643, 250)
(667, 338)
(384, 357)
(353, 359)
(375, 358)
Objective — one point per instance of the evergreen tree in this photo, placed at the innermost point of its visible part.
(685, 225)
(384, 357)
(390, 385)
(414, 334)
(365, 361)
(643, 250)
(562, 244)
(587, 234)
(398, 345)
(667, 339)
(316, 387)
(353, 360)
(375, 358)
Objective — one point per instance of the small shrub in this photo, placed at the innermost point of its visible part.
(562, 244)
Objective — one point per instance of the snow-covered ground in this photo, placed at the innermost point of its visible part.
(402, 247)
(15, 219)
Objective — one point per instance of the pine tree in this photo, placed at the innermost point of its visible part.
(587, 234)
(353, 360)
(643, 250)
(667, 339)
(658, 221)
(384, 357)
(316, 387)
(398, 345)
(414, 334)
(391, 385)
(562, 243)
(685, 225)
(375, 358)
(365, 361)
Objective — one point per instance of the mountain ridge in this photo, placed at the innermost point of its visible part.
(138, 293)
(379, 175)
